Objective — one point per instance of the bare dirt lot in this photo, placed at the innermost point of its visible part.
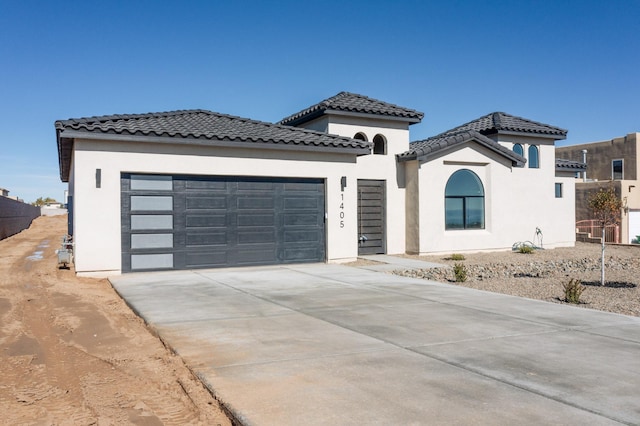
(72, 352)
(543, 274)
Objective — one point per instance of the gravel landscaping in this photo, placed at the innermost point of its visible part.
(543, 274)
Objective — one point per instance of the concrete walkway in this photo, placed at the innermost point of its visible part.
(391, 263)
(329, 344)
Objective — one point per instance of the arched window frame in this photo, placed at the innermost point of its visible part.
(464, 208)
(360, 136)
(534, 157)
(518, 149)
(379, 144)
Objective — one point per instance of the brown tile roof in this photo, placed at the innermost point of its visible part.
(197, 127)
(353, 103)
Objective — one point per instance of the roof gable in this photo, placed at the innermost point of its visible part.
(500, 122)
(346, 102)
(197, 127)
(425, 148)
(570, 165)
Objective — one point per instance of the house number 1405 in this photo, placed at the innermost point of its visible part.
(342, 210)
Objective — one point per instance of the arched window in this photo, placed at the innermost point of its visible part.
(360, 136)
(518, 149)
(464, 201)
(534, 158)
(379, 145)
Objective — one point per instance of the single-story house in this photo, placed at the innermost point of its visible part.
(198, 189)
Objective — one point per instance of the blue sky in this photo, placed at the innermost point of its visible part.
(572, 64)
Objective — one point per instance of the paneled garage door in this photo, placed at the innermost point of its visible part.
(188, 222)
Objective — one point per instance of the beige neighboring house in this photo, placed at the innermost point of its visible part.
(5, 193)
(614, 162)
(337, 180)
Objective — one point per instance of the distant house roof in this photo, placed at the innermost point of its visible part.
(500, 122)
(427, 147)
(570, 165)
(352, 103)
(197, 127)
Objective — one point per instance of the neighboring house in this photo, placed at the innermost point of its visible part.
(5, 193)
(198, 189)
(53, 209)
(610, 163)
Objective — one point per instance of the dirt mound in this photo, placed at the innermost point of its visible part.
(74, 353)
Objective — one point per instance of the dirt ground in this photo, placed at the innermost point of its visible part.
(543, 274)
(72, 352)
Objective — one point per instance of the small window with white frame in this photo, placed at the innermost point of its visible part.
(558, 190)
(617, 169)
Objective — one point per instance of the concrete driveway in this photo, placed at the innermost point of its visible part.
(329, 344)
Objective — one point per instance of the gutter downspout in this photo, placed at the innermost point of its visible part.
(584, 160)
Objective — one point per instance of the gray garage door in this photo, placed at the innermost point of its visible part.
(188, 222)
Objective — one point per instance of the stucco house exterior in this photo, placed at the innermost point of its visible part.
(613, 163)
(500, 184)
(197, 189)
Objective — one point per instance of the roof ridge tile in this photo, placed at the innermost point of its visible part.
(497, 122)
(354, 103)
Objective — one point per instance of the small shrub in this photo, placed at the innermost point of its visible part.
(460, 272)
(456, 256)
(525, 249)
(572, 291)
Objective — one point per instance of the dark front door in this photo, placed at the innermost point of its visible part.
(371, 217)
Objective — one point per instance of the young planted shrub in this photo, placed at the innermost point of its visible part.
(460, 272)
(525, 249)
(456, 256)
(572, 291)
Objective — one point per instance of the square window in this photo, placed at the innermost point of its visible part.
(617, 167)
(558, 190)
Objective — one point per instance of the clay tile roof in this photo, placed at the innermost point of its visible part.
(499, 122)
(570, 165)
(435, 144)
(199, 127)
(353, 103)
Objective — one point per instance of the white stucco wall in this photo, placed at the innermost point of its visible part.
(97, 232)
(517, 201)
(565, 211)
(382, 167)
